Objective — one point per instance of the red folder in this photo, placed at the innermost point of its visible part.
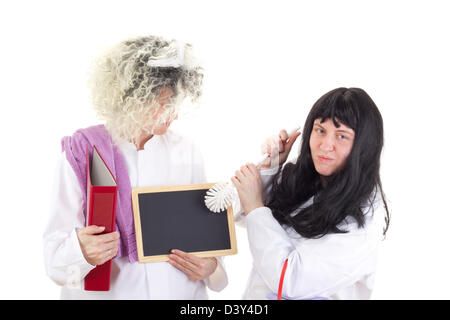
(101, 211)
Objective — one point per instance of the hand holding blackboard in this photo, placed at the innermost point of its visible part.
(175, 217)
(195, 268)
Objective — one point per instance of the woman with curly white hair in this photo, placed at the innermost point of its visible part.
(138, 89)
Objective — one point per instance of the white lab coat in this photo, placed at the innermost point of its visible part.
(336, 266)
(166, 160)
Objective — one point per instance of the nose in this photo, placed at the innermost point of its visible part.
(327, 144)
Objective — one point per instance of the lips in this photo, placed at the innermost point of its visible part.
(325, 159)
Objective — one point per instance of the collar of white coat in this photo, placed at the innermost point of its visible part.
(124, 144)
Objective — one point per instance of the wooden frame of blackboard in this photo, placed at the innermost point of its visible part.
(174, 188)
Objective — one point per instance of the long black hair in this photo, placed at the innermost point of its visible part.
(348, 191)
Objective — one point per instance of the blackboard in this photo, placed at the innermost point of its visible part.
(175, 217)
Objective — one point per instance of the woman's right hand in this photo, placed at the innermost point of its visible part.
(98, 248)
(278, 148)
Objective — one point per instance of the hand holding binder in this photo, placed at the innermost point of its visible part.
(101, 211)
(98, 248)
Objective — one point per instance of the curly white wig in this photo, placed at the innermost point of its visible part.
(125, 86)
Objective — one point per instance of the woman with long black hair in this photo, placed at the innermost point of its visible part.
(325, 213)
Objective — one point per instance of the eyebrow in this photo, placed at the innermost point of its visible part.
(345, 131)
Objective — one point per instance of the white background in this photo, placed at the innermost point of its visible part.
(266, 63)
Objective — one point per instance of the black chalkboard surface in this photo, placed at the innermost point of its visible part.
(175, 217)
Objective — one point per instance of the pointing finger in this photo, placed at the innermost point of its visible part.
(292, 139)
(283, 135)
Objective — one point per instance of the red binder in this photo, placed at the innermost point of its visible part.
(101, 211)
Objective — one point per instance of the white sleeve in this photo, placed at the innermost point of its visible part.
(64, 261)
(267, 176)
(218, 280)
(316, 267)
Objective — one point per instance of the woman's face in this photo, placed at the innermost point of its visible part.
(163, 99)
(330, 146)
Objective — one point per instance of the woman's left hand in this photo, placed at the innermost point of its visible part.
(194, 267)
(249, 187)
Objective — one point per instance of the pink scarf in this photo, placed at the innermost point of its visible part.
(75, 149)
